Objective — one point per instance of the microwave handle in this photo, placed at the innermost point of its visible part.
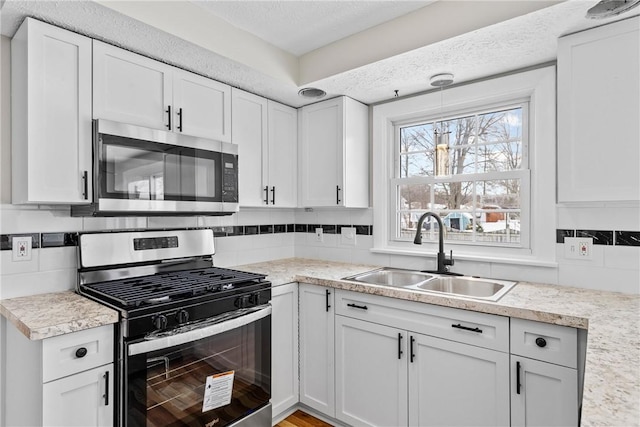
(197, 333)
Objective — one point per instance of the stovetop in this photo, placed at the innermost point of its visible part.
(131, 293)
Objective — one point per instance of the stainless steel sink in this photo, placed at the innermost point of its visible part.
(472, 287)
(392, 277)
(466, 286)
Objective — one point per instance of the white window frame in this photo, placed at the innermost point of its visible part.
(538, 86)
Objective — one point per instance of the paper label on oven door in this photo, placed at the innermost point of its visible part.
(217, 391)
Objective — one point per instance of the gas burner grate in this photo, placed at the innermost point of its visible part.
(133, 292)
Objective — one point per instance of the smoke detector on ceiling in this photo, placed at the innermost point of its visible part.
(444, 79)
(608, 8)
(311, 92)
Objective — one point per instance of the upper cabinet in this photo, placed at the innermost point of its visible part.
(334, 154)
(133, 89)
(51, 115)
(598, 110)
(266, 135)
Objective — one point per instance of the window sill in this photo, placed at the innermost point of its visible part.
(529, 261)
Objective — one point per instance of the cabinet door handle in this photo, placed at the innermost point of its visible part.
(517, 377)
(273, 195)
(338, 195)
(266, 195)
(85, 185)
(361, 307)
(327, 293)
(81, 352)
(411, 341)
(168, 111)
(466, 328)
(106, 388)
(180, 119)
(399, 345)
(541, 342)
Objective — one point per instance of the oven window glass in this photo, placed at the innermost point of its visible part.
(140, 170)
(189, 384)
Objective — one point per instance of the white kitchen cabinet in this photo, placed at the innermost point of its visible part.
(51, 115)
(389, 374)
(598, 110)
(317, 381)
(134, 89)
(456, 384)
(284, 354)
(544, 374)
(334, 154)
(371, 373)
(66, 380)
(266, 135)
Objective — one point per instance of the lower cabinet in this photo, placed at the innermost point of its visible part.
(391, 377)
(67, 380)
(284, 348)
(317, 381)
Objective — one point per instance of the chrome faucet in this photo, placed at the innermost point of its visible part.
(443, 261)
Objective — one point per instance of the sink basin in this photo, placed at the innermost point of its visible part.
(472, 287)
(392, 277)
(466, 286)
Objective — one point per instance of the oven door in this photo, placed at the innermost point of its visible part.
(211, 373)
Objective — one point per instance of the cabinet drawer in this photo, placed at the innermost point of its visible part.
(63, 355)
(469, 327)
(544, 341)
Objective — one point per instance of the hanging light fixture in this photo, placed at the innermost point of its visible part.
(608, 8)
(441, 138)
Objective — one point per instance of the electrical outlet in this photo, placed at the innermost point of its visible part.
(21, 248)
(348, 236)
(578, 247)
(319, 234)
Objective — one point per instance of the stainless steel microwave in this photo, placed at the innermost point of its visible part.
(144, 172)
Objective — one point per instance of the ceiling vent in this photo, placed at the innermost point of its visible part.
(608, 8)
(311, 92)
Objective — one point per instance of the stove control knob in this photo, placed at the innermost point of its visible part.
(160, 321)
(255, 298)
(182, 316)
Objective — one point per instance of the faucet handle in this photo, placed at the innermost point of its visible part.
(449, 261)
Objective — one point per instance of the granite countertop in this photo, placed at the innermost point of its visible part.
(48, 315)
(612, 371)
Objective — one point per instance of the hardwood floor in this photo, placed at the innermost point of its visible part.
(301, 419)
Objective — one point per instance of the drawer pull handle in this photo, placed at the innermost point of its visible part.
(81, 352)
(541, 342)
(466, 328)
(361, 307)
(327, 293)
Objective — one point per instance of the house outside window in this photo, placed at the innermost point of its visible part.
(475, 178)
(493, 182)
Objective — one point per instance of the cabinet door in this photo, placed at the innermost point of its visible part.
(282, 155)
(317, 382)
(456, 384)
(130, 88)
(201, 106)
(598, 110)
(321, 153)
(371, 374)
(51, 120)
(249, 128)
(284, 354)
(84, 399)
(547, 394)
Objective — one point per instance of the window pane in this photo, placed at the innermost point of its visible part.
(414, 196)
(500, 157)
(503, 227)
(416, 138)
(462, 130)
(498, 194)
(454, 195)
(417, 164)
(500, 126)
(463, 160)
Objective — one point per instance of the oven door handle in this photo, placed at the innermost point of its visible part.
(195, 334)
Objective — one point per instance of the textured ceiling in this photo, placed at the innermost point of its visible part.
(523, 41)
(299, 27)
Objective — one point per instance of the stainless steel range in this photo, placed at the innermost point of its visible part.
(194, 340)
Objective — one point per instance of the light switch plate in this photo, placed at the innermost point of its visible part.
(21, 248)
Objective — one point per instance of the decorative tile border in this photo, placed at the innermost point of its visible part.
(602, 237)
(57, 240)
